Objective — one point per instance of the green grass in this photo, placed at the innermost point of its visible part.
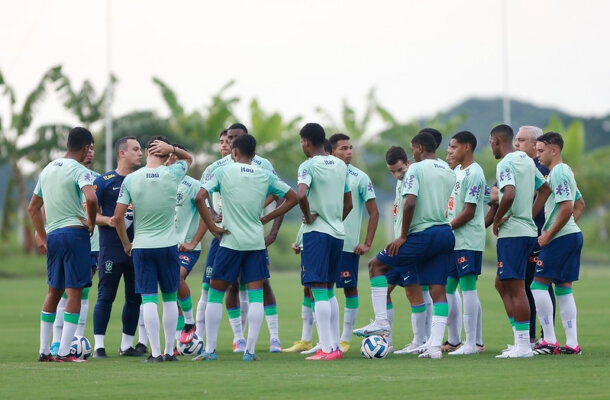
(288, 376)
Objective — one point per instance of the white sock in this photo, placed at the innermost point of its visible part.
(82, 318)
(58, 325)
(142, 335)
(170, 320)
(66, 338)
(380, 299)
(349, 319)
(307, 317)
(472, 305)
(391, 322)
(243, 307)
(523, 341)
(273, 325)
(437, 331)
(335, 322)
(567, 308)
(238, 333)
(99, 341)
(454, 319)
(153, 326)
(188, 317)
(45, 335)
(126, 341)
(213, 316)
(323, 315)
(429, 312)
(256, 312)
(200, 315)
(418, 324)
(544, 310)
(480, 325)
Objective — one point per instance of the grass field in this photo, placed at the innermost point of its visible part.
(289, 376)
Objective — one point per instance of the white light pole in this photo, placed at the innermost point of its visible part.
(109, 94)
(505, 97)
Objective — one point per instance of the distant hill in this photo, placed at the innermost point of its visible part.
(484, 114)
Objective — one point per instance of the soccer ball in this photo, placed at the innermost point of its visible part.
(80, 348)
(195, 347)
(374, 347)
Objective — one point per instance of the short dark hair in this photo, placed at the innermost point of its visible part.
(466, 137)
(327, 146)
(238, 126)
(314, 133)
(552, 138)
(159, 138)
(246, 144)
(223, 133)
(336, 137)
(78, 138)
(503, 132)
(121, 143)
(395, 154)
(426, 140)
(438, 137)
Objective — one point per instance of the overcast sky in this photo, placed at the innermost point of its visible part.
(421, 56)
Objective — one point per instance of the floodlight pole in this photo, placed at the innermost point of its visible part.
(109, 93)
(505, 97)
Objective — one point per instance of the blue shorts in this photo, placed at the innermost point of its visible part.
(426, 252)
(94, 257)
(68, 258)
(465, 262)
(320, 258)
(348, 270)
(405, 279)
(188, 260)
(513, 256)
(248, 266)
(560, 259)
(209, 261)
(156, 266)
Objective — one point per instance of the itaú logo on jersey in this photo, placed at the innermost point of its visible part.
(451, 204)
(247, 169)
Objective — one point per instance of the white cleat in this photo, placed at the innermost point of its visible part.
(374, 328)
(432, 352)
(411, 348)
(313, 350)
(515, 353)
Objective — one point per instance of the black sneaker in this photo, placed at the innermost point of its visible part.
(570, 350)
(141, 347)
(130, 352)
(170, 357)
(46, 358)
(100, 353)
(152, 359)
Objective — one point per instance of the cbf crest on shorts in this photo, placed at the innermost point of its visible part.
(108, 267)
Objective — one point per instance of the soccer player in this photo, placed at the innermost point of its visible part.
(244, 188)
(115, 263)
(61, 185)
(518, 179)
(152, 192)
(561, 242)
(325, 200)
(191, 230)
(525, 141)
(465, 211)
(363, 196)
(424, 244)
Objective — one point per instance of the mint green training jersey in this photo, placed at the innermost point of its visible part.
(431, 181)
(60, 187)
(95, 238)
(469, 188)
(327, 179)
(152, 191)
(362, 191)
(397, 209)
(187, 216)
(517, 169)
(244, 188)
(563, 188)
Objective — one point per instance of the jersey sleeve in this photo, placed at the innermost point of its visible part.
(474, 188)
(124, 195)
(539, 180)
(38, 189)
(212, 183)
(304, 175)
(276, 186)
(178, 169)
(411, 181)
(506, 176)
(84, 177)
(367, 191)
(560, 185)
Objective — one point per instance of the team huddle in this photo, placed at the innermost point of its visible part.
(152, 219)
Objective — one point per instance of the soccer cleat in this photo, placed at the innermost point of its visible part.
(69, 358)
(374, 328)
(206, 356)
(313, 350)
(100, 353)
(152, 359)
(447, 347)
(411, 348)
(322, 356)
(54, 348)
(130, 352)
(170, 357)
(335, 355)
(480, 348)
(250, 357)
(570, 350)
(186, 336)
(465, 350)
(176, 352)
(239, 346)
(275, 346)
(141, 347)
(46, 358)
(509, 347)
(298, 346)
(432, 352)
(546, 348)
(516, 353)
(344, 346)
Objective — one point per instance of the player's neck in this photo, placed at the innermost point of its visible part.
(555, 162)
(467, 162)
